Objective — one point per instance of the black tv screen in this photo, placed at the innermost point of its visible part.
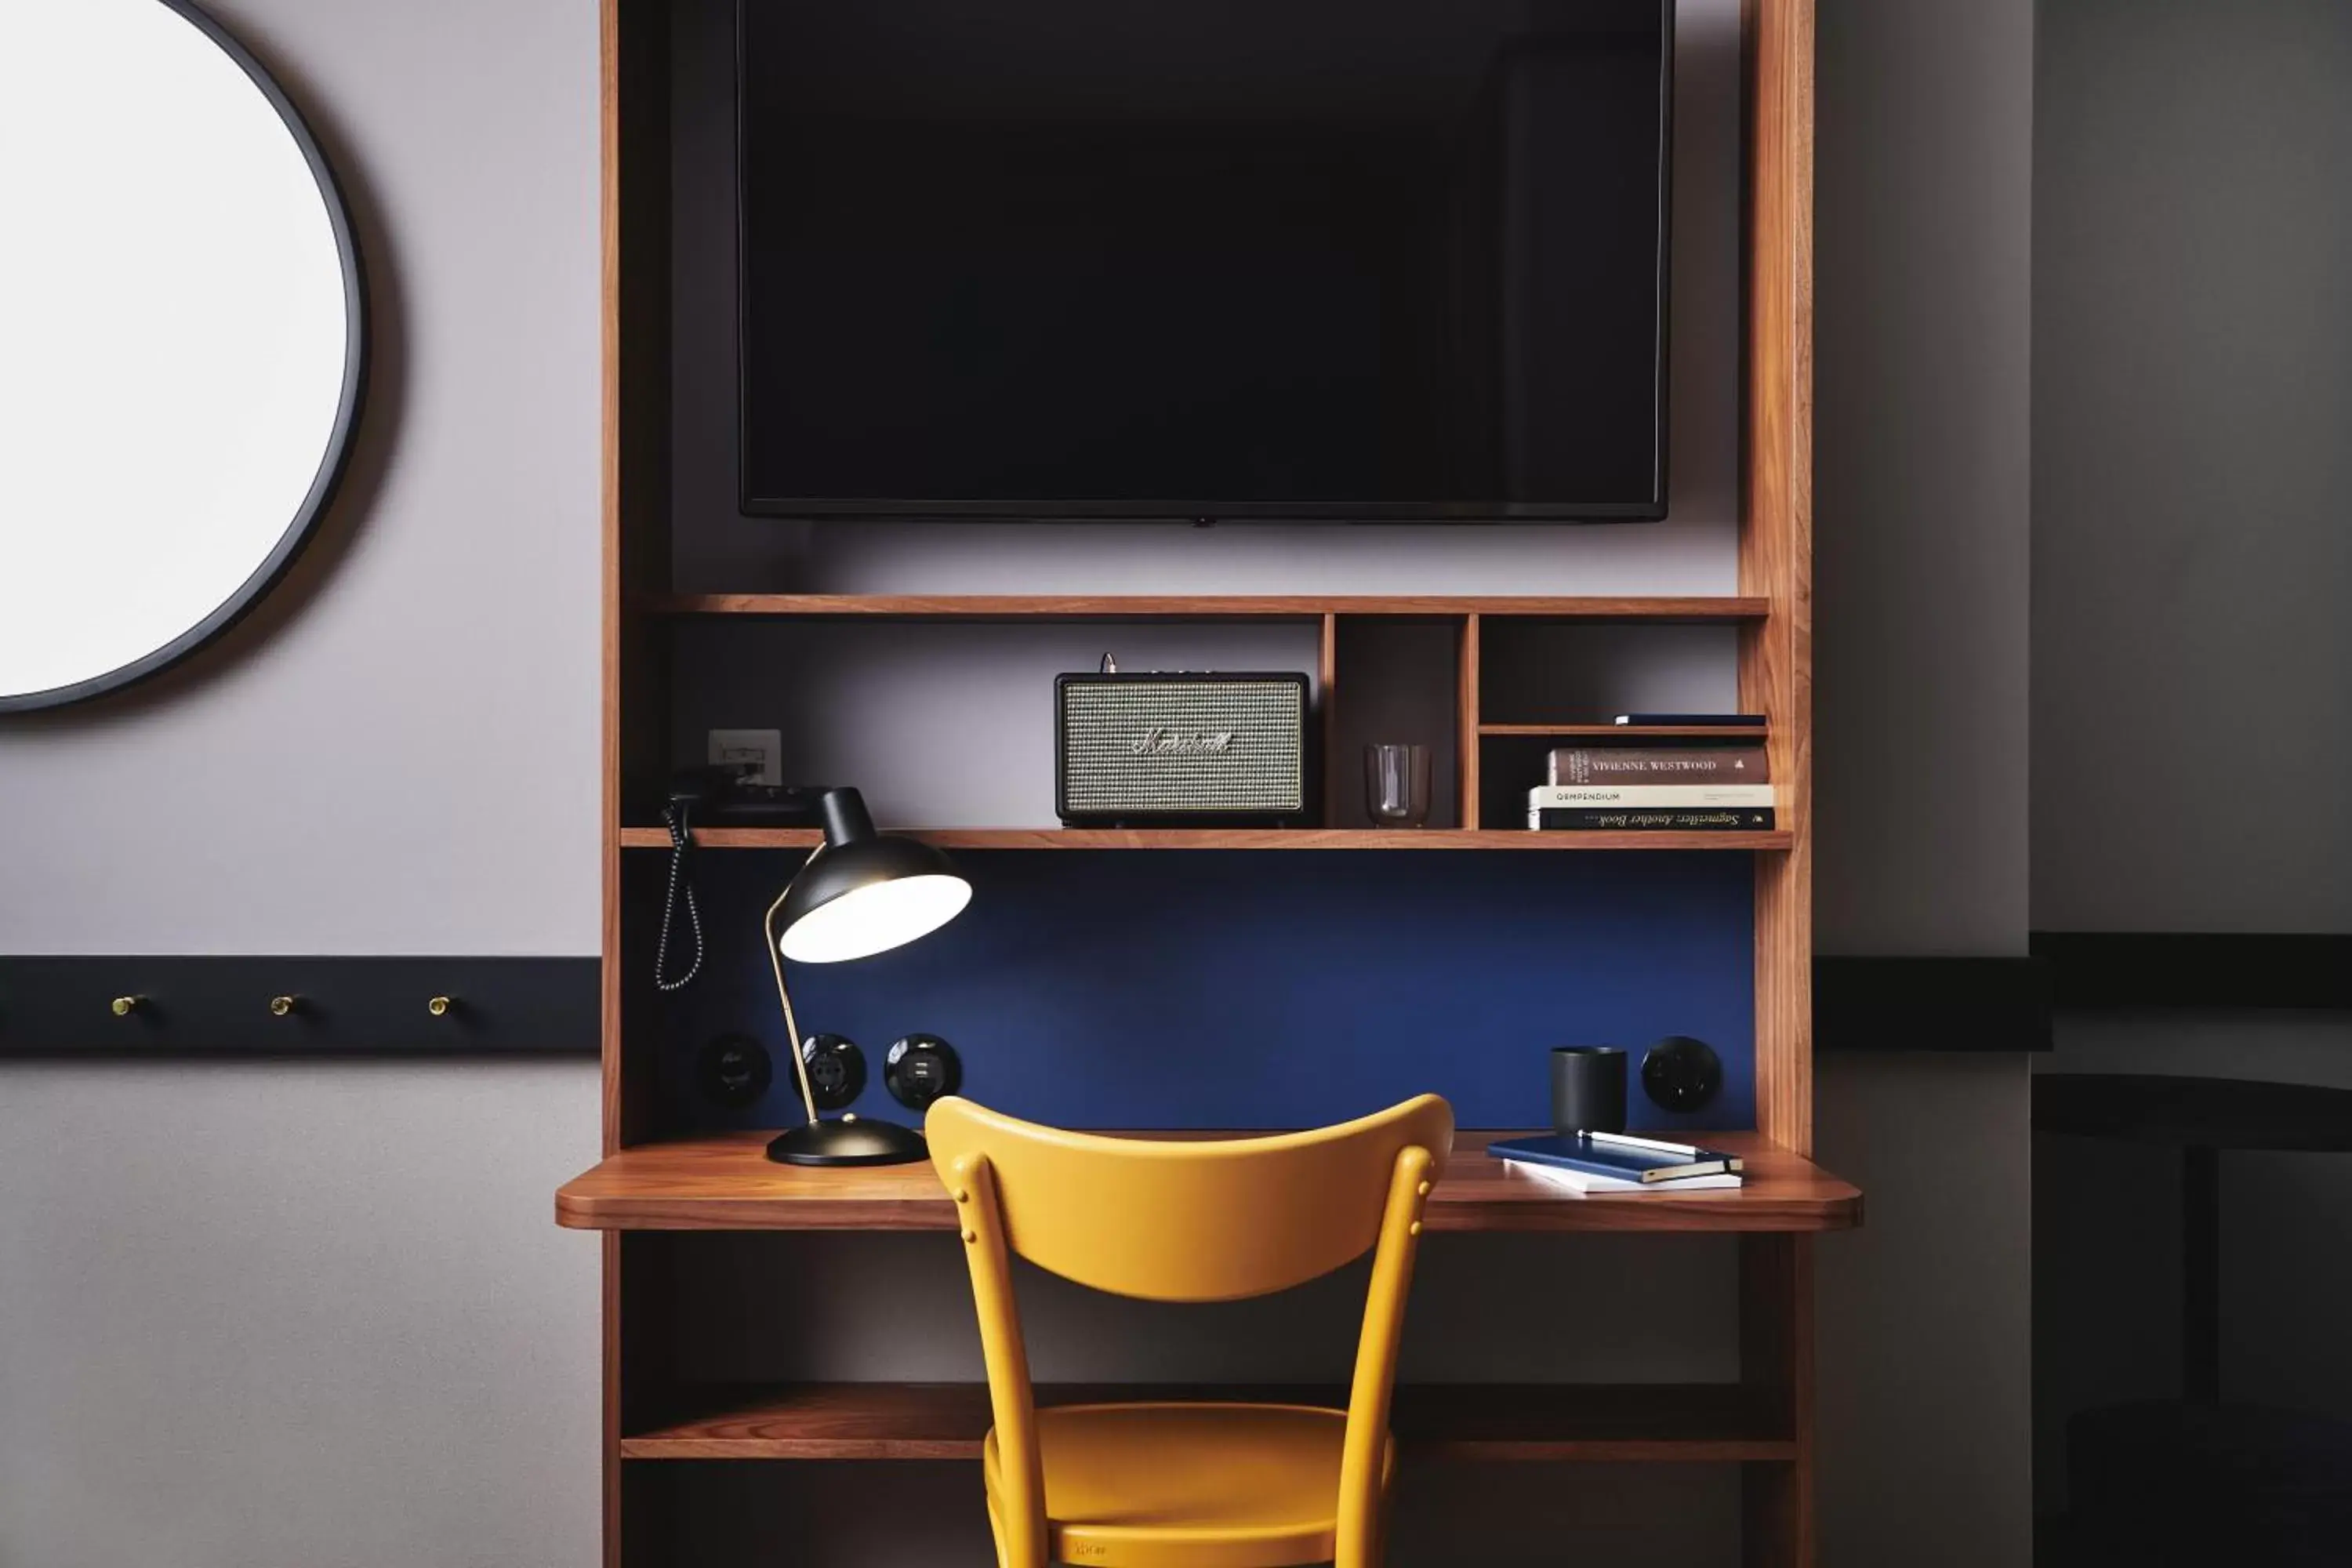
(1204, 258)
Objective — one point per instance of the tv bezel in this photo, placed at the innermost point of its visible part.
(1206, 512)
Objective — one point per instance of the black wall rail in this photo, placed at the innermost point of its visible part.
(1931, 1004)
(178, 1007)
(2191, 969)
(181, 1006)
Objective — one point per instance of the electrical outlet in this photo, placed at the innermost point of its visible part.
(920, 1069)
(760, 750)
(836, 1070)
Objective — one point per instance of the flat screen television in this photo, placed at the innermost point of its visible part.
(1371, 259)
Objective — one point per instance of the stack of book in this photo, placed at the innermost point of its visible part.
(1699, 787)
(1618, 1162)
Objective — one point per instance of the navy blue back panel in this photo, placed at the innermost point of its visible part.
(1159, 990)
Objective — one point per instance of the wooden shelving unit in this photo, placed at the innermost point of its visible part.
(651, 1183)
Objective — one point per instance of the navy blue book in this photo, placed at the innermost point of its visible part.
(1646, 1162)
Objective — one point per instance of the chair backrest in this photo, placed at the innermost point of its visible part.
(1185, 1219)
(1189, 1220)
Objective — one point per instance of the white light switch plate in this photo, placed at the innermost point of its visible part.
(740, 748)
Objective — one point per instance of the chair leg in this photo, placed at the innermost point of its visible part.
(1374, 1549)
(996, 1534)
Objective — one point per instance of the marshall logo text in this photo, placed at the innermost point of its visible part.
(1164, 742)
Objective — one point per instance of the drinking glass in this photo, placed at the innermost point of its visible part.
(1396, 784)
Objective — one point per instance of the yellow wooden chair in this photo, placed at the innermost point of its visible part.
(1166, 1485)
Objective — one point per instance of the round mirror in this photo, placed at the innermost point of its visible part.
(182, 333)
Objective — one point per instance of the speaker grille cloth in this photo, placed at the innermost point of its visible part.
(1128, 746)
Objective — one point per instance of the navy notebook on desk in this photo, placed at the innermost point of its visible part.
(1638, 1161)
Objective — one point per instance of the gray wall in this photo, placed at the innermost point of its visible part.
(311, 1324)
(287, 1316)
(317, 783)
(2192, 392)
(295, 1317)
(2192, 388)
(1923, 190)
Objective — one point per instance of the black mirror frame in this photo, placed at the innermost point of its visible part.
(339, 440)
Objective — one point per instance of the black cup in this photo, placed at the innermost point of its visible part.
(1588, 1088)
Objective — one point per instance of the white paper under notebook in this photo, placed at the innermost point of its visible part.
(1586, 1181)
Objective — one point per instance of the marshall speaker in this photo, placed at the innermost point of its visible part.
(1174, 749)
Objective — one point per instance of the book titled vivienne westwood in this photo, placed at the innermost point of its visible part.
(1657, 765)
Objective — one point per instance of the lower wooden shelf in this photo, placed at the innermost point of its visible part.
(1592, 1422)
(1518, 838)
(724, 1181)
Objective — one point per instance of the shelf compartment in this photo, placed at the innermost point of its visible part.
(1551, 675)
(724, 1181)
(1394, 678)
(1251, 838)
(1594, 1423)
(1728, 608)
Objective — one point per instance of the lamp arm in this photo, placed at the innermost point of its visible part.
(776, 962)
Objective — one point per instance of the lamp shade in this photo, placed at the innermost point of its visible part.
(863, 893)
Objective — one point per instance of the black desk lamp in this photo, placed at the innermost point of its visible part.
(857, 895)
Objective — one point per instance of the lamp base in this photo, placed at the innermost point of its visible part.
(849, 1141)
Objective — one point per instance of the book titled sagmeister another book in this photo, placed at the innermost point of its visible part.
(1617, 819)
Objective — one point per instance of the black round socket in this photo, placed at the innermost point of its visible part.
(1681, 1074)
(733, 1070)
(836, 1069)
(920, 1069)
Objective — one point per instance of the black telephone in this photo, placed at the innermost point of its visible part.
(715, 796)
(721, 795)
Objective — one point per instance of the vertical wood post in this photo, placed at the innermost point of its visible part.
(1466, 710)
(1776, 1370)
(1327, 694)
(1775, 676)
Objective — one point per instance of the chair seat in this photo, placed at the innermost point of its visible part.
(1188, 1486)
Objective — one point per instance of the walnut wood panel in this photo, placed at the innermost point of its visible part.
(611, 1361)
(1776, 1365)
(633, 235)
(613, 615)
(1229, 838)
(615, 1549)
(1465, 713)
(1774, 673)
(1118, 607)
(725, 1181)
(1776, 535)
(1327, 694)
(1603, 1422)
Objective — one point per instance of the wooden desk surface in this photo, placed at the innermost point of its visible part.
(725, 1181)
